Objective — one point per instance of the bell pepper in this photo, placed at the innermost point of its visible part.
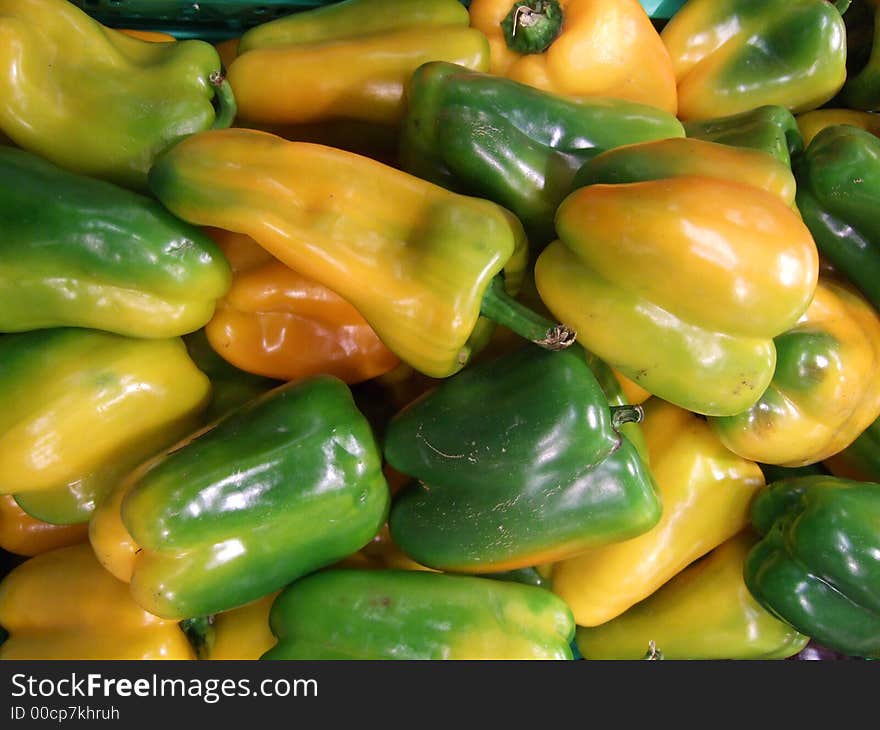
(492, 498)
(401, 614)
(277, 323)
(663, 241)
(825, 390)
(82, 407)
(419, 263)
(230, 386)
(706, 492)
(578, 48)
(732, 56)
(63, 605)
(496, 138)
(818, 564)
(81, 252)
(771, 128)
(98, 101)
(862, 88)
(284, 485)
(704, 612)
(350, 60)
(811, 123)
(860, 460)
(25, 535)
(838, 181)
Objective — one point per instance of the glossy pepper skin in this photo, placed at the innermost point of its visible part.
(817, 566)
(242, 633)
(96, 618)
(401, 614)
(496, 138)
(579, 48)
(25, 535)
(704, 612)
(838, 180)
(77, 251)
(730, 56)
(665, 242)
(771, 128)
(860, 460)
(554, 479)
(811, 123)
(277, 323)
(706, 492)
(98, 101)
(414, 259)
(348, 61)
(825, 390)
(130, 398)
(288, 483)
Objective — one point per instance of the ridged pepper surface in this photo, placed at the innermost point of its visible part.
(420, 263)
(694, 250)
(287, 483)
(818, 564)
(538, 474)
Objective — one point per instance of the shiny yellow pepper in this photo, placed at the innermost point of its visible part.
(242, 633)
(579, 48)
(825, 390)
(704, 612)
(706, 492)
(63, 605)
(811, 123)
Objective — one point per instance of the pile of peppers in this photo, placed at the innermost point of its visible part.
(427, 329)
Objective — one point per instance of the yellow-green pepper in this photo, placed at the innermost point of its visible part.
(706, 492)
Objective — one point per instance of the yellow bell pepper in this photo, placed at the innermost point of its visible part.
(242, 633)
(825, 390)
(579, 48)
(25, 535)
(706, 492)
(704, 612)
(63, 605)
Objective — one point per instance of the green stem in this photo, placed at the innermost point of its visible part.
(226, 105)
(199, 632)
(626, 414)
(842, 5)
(500, 307)
(530, 27)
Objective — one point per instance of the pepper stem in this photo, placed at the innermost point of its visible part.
(653, 652)
(626, 414)
(532, 25)
(842, 5)
(500, 307)
(226, 104)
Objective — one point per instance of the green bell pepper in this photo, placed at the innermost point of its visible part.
(554, 479)
(284, 485)
(400, 614)
(861, 459)
(77, 251)
(838, 186)
(771, 128)
(818, 564)
(489, 136)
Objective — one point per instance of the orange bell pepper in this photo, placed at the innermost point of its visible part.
(579, 48)
(25, 535)
(277, 323)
